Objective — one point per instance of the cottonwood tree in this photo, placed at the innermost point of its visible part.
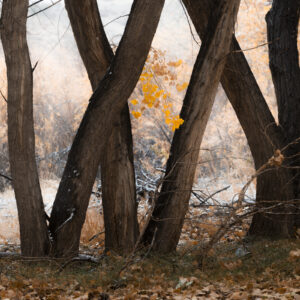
(100, 134)
(164, 229)
(263, 136)
(21, 141)
(104, 109)
(282, 27)
(262, 132)
(117, 169)
(274, 187)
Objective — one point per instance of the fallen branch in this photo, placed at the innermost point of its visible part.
(204, 200)
(9, 254)
(81, 258)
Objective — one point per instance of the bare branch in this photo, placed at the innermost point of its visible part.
(189, 23)
(6, 177)
(41, 10)
(34, 3)
(115, 19)
(209, 197)
(4, 98)
(34, 67)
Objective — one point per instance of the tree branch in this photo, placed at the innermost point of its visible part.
(41, 10)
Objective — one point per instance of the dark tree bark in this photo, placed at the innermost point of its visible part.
(172, 203)
(117, 169)
(104, 108)
(262, 133)
(90, 37)
(21, 141)
(282, 26)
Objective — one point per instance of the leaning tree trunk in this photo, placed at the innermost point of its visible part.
(262, 133)
(117, 169)
(104, 108)
(172, 203)
(32, 217)
(282, 26)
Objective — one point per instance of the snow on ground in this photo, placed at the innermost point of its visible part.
(9, 230)
(8, 209)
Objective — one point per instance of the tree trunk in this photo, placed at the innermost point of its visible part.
(117, 169)
(172, 204)
(104, 108)
(282, 26)
(262, 133)
(21, 141)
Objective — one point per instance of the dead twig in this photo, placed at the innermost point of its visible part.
(34, 3)
(96, 235)
(81, 258)
(4, 98)
(115, 19)
(206, 199)
(41, 10)
(6, 177)
(275, 161)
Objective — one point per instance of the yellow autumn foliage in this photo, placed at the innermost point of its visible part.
(136, 114)
(157, 70)
(134, 102)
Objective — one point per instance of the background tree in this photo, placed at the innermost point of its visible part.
(282, 27)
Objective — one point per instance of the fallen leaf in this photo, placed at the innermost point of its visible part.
(294, 254)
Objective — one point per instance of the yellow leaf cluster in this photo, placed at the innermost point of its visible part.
(136, 114)
(150, 90)
(181, 87)
(173, 121)
(175, 64)
(157, 70)
(134, 102)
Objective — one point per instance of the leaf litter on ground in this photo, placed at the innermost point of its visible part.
(272, 271)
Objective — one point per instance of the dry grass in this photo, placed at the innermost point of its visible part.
(93, 225)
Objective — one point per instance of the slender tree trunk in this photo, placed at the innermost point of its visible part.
(172, 204)
(104, 108)
(21, 141)
(117, 169)
(282, 25)
(262, 133)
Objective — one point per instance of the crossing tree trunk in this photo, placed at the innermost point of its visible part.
(172, 203)
(104, 108)
(261, 131)
(117, 169)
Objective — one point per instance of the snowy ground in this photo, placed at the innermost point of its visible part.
(8, 210)
(9, 231)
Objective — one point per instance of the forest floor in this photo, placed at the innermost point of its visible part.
(236, 268)
(233, 270)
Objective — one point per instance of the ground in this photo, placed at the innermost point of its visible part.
(233, 270)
